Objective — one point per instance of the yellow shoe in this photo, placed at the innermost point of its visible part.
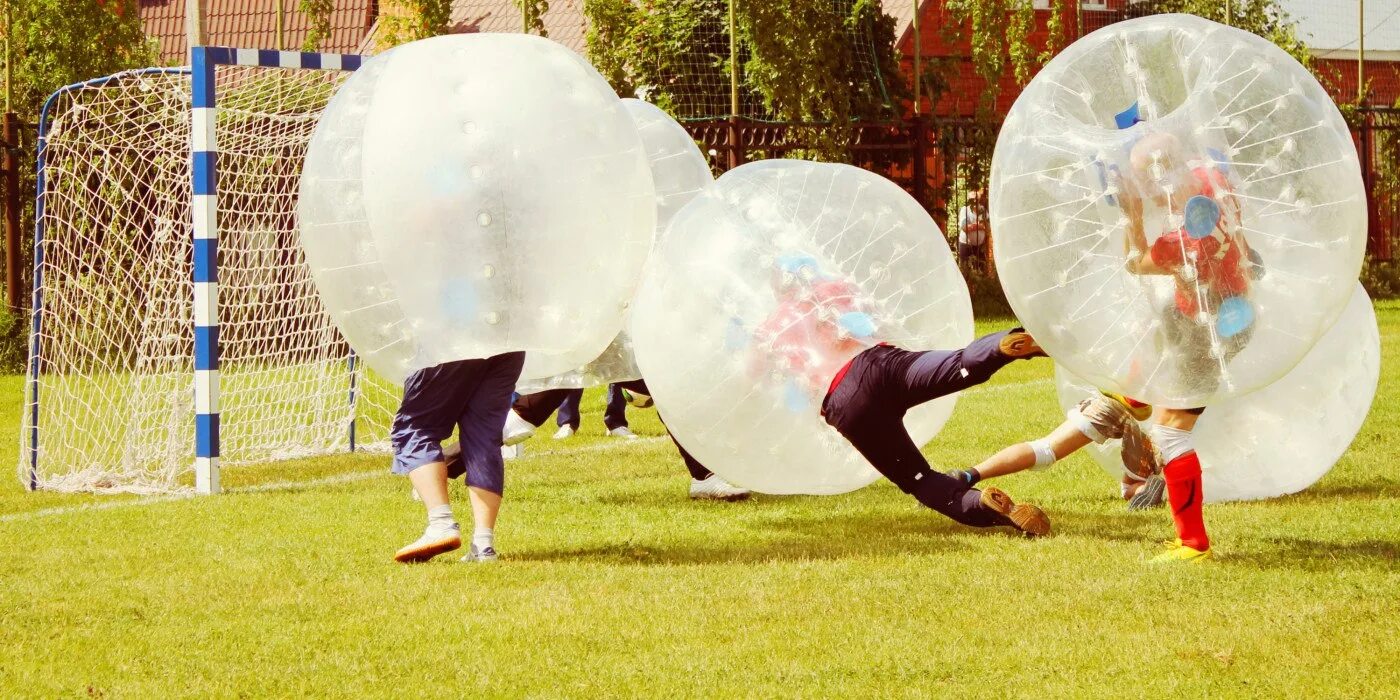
(1178, 552)
(1139, 410)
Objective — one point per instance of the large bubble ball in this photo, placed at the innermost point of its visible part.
(762, 288)
(469, 195)
(1177, 210)
(1284, 437)
(679, 172)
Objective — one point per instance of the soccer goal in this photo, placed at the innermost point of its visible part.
(175, 324)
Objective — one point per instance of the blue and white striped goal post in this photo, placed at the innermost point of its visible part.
(204, 159)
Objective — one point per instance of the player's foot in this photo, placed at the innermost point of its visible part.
(564, 432)
(713, 488)
(622, 432)
(1018, 344)
(1149, 493)
(517, 429)
(481, 556)
(1139, 410)
(1024, 517)
(1177, 552)
(637, 400)
(432, 543)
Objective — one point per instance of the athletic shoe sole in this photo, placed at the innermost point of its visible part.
(1149, 495)
(423, 552)
(717, 497)
(513, 439)
(1025, 517)
(1019, 345)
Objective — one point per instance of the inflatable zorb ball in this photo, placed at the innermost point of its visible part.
(1177, 210)
(1284, 437)
(474, 194)
(762, 288)
(679, 172)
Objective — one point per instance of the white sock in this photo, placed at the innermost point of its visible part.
(440, 519)
(483, 537)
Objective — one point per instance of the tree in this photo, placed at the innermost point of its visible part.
(402, 21)
(58, 42)
(829, 61)
(318, 16)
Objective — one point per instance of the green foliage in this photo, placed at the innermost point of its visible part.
(805, 58)
(988, 298)
(998, 32)
(1381, 278)
(532, 14)
(58, 42)
(402, 21)
(827, 61)
(1266, 18)
(318, 14)
(674, 51)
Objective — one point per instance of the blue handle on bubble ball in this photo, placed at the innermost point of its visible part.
(1202, 216)
(1129, 116)
(858, 323)
(1236, 316)
(792, 262)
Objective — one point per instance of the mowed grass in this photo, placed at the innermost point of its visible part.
(614, 584)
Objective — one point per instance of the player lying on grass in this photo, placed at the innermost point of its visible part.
(867, 387)
(530, 411)
(472, 396)
(1096, 419)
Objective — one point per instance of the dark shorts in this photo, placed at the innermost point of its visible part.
(472, 396)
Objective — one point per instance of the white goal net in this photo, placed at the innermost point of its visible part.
(111, 403)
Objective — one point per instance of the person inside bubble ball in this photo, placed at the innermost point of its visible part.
(1211, 319)
(823, 338)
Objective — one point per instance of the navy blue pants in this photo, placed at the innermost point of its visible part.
(469, 395)
(882, 384)
(614, 415)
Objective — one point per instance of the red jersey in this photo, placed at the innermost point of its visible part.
(1218, 258)
(804, 337)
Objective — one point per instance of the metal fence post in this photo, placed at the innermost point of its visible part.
(12, 209)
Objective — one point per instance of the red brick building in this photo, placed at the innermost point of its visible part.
(1329, 27)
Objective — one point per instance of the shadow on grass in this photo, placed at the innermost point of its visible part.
(1373, 489)
(1307, 555)
(840, 537)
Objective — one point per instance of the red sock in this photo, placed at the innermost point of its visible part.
(1183, 476)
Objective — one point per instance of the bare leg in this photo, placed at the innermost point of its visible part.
(485, 506)
(430, 481)
(1064, 440)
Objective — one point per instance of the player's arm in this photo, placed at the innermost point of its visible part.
(1139, 253)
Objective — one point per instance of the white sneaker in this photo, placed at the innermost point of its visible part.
(484, 556)
(714, 488)
(622, 432)
(512, 452)
(564, 432)
(517, 429)
(432, 543)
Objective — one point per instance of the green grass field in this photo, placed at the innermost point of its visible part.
(614, 584)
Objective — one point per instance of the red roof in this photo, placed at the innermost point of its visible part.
(564, 21)
(253, 24)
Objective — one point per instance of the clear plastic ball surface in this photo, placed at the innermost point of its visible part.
(474, 194)
(679, 172)
(1177, 210)
(1283, 438)
(762, 288)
